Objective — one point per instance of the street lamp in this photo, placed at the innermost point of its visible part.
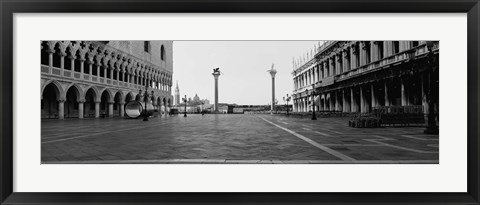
(287, 99)
(185, 101)
(314, 117)
(432, 127)
(146, 97)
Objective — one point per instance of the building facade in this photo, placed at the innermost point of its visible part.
(96, 78)
(356, 76)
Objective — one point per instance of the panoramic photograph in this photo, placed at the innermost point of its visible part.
(239, 102)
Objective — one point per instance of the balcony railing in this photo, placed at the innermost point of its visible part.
(74, 75)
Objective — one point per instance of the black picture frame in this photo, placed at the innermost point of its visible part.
(9, 7)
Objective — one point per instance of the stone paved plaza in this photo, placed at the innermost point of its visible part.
(232, 139)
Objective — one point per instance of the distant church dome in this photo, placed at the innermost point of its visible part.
(196, 98)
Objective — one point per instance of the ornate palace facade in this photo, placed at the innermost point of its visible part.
(96, 78)
(356, 76)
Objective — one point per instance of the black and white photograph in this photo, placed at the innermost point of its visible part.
(239, 102)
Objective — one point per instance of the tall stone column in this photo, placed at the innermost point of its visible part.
(216, 74)
(61, 111)
(97, 109)
(273, 72)
(80, 108)
(387, 99)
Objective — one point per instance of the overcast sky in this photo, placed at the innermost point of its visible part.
(244, 64)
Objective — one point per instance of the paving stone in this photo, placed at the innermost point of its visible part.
(225, 138)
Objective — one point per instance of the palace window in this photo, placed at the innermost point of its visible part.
(380, 50)
(162, 53)
(415, 43)
(146, 46)
(396, 47)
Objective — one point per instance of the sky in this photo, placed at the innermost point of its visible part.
(244, 64)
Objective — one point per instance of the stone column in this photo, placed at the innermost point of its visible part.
(97, 109)
(339, 65)
(353, 62)
(273, 72)
(388, 48)
(98, 71)
(72, 63)
(362, 101)
(346, 105)
(337, 104)
(403, 93)
(424, 95)
(105, 70)
(122, 109)
(61, 112)
(82, 69)
(50, 60)
(306, 104)
(80, 108)
(346, 64)
(374, 97)
(62, 64)
(373, 51)
(216, 75)
(111, 74)
(362, 53)
(387, 99)
(331, 103)
(331, 66)
(110, 109)
(352, 101)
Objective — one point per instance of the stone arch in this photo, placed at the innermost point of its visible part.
(118, 101)
(106, 103)
(72, 96)
(59, 89)
(110, 94)
(51, 94)
(138, 98)
(78, 90)
(91, 96)
(95, 91)
(129, 97)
